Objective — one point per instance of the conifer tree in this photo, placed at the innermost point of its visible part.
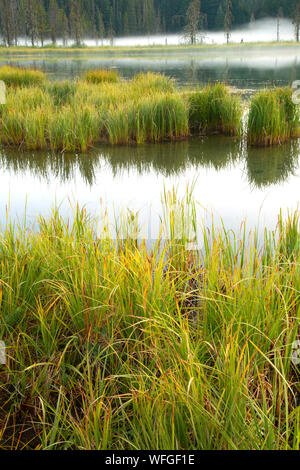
(42, 24)
(76, 21)
(53, 20)
(279, 17)
(132, 16)
(64, 29)
(296, 21)
(101, 27)
(228, 20)
(195, 21)
(6, 22)
(77, 18)
(31, 20)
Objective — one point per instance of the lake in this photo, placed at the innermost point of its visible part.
(231, 181)
(241, 67)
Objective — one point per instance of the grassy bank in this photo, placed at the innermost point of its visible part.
(101, 107)
(111, 345)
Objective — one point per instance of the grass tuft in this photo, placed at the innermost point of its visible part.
(21, 77)
(101, 76)
(215, 110)
(273, 118)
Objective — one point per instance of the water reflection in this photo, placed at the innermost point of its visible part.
(173, 159)
(271, 166)
(61, 167)
(239, 67)
(264, 167)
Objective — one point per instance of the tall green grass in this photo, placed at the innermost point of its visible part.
(62, 92)
(273, 118)
(155, 82)
(101, 76)
(215, 110)
(18, 77)
(77, 115)
(111, 345)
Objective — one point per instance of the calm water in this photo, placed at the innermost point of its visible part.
(240, 68)
(231, 181)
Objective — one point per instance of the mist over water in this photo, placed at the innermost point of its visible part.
(244, 67)
(263, 30)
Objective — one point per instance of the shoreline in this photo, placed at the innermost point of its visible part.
(135, 50)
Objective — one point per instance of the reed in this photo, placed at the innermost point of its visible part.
(78, 115)
(154, 82)
(161, 117)
(73, 129)
(215, 110)
(62, 92)
(147, 108)
(273, 118)
(111, 345)
(25, 118)
(21, 77)
(101, 76)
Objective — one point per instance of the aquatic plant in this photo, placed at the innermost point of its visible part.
(20, 77)
(70, 129)
(147, 108)
(101, 76)
(79, 114)
(62, 92)
(113, 345)
(154, 82)
(161, 117)
(273, 118)
(214, 109)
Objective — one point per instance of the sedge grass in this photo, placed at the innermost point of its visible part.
(153, 81)
(111, 345)
(101, 76)
(214, 110)
(62, 92)
(21, 77)
(77, 115)
(273, 118)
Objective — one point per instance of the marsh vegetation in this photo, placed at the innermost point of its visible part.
(103, 107)
(273, 118)
(111, 345)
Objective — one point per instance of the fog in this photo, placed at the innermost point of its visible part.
(264, 30)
